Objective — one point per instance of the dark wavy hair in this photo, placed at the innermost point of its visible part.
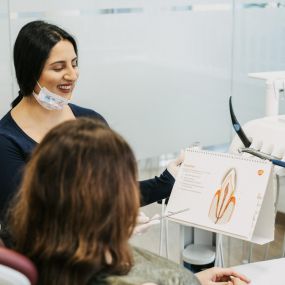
(31, 50)
(77, 205)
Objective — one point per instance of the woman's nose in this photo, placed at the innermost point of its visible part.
(71, 74)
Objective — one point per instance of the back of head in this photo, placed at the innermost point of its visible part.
(31, 50)
(78, 204)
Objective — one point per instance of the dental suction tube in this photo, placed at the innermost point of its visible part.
(237, 127)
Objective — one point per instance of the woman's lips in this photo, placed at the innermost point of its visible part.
(65, 88)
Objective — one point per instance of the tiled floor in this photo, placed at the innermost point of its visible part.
(235, 251)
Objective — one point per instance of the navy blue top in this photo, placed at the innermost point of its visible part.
(16, 147)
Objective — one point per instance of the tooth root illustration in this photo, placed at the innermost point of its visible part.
(227, 214)
(213, 212)
(224, 201)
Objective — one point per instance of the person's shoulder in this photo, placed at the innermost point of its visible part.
(160, 269)
(8, 143)
(6, 126)
(79, 111)
(12, 137)
(5, 121)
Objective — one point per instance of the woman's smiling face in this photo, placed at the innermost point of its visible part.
(60, 71)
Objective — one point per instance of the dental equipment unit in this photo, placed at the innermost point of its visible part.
(246, 142)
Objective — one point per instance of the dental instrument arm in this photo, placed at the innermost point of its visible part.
(274, 159)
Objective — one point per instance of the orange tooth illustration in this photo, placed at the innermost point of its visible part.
(224, 201)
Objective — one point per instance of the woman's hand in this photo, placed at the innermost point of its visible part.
(221, 276)
(174, 164)
(144, 223)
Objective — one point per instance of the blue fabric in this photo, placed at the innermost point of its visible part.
(15, 150)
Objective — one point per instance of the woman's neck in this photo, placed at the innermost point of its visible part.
(35, 120)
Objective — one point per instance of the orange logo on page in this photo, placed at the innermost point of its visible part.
(260, 172)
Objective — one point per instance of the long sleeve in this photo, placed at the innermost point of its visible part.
(157, 188)
(12, 163)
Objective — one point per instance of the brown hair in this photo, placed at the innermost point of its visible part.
(78, 204)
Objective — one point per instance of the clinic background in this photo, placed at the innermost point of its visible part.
(161, 71)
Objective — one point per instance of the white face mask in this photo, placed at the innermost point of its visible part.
(49, 100)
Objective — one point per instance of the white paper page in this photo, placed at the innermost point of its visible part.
(265, 225)
(202, 176)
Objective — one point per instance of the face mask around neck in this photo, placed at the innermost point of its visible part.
(49, 100)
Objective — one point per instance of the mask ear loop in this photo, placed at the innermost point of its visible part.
(40, 88)
(39, 84)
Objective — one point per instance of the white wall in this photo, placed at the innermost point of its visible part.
(5, 59)
(161, 71)
(259, 46)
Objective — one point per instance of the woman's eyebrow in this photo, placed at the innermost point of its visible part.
(57, 62)
(62, 61)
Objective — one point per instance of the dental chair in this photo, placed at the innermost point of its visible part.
(268, 136)
(16, 269)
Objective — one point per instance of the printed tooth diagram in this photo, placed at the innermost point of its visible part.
(224, 201)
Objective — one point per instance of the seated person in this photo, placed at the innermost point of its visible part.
(46, 68)
(77, 208)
